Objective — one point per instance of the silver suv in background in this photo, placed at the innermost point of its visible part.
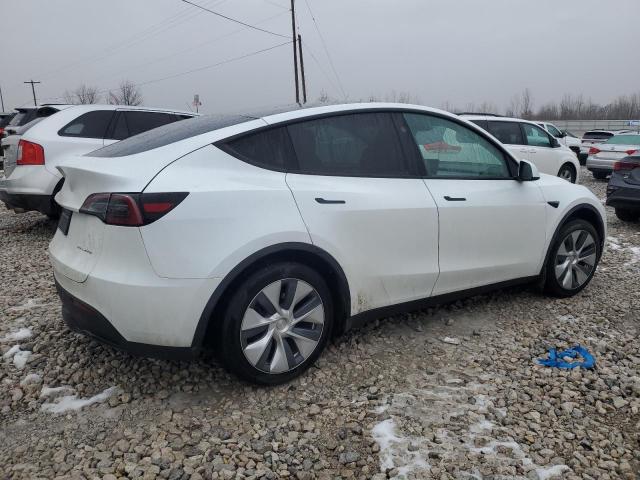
(31, 179)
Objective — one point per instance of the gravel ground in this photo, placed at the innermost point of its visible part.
(450, 392)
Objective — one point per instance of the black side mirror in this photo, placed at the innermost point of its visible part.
(562, 134)
(555, 143)
(527, 172)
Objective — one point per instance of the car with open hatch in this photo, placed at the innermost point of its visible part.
(262, 236)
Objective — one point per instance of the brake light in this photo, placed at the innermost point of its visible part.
(594, 151)
(626, 165)
(30, 153)
(630, 152)
(131, 209)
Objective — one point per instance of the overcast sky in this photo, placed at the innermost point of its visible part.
(456, 51)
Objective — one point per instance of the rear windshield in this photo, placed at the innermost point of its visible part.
(167, 134)
(624, 140)
(4, 121)
(597, 135)
(21, 118)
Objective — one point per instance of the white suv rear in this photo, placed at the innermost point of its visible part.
(527, 141)
(31, 179)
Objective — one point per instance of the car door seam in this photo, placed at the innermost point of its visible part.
(295, 201)
(424, 182)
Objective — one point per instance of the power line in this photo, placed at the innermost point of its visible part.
(192, 48)
(224, 62)
(199, 69)
(321, 68)
(326, 50)
(235, 20)
(150, 32)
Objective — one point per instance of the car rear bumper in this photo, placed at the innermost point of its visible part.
(27, 202)
(117, 280)
(82, 318)
(600, 165)
(623, 198)
(29, 187)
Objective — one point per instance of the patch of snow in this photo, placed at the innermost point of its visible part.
(12, 351)
(28, 305)
(384, 433)
(567, 318)
(380, 409)
(394, 448)
(20, 357)
(451, 340)
(21, 334)
(549, 472)
(482, 426)
(31, 378)
(635, 255)
(72, 402)
(51, 391)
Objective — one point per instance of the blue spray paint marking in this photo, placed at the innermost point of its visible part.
(555, 358)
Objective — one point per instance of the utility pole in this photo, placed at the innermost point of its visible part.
(33, 90)
(295, 50)
(1, 99)
(304, 82)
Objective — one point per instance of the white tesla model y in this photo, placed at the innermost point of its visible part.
(262, 236)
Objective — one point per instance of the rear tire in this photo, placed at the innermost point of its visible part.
(627, 215)
(573, 259)
(568, 172)
(600, 175)
(268, 344)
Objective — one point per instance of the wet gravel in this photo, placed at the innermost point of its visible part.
(450, 392)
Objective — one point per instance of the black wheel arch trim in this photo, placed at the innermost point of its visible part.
(600, 228)
(288, 247)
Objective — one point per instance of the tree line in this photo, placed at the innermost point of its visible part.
(570, 107)
(126, 94)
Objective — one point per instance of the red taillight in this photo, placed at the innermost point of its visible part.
(30, 153)
(131, 209)
(594, 151)
(626, 165)
(630, 152)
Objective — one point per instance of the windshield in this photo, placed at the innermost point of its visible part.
(624, 140)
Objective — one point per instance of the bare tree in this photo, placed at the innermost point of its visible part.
(82, 95)
(127, 94)
(324, 97)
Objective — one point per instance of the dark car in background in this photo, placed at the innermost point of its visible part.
(623, 191)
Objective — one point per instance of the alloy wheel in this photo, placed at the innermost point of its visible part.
(575, 259)
(282, 326)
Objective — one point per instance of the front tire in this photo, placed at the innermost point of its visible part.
(573, 259)
(277, 323)
(568, 172)
(627, 215)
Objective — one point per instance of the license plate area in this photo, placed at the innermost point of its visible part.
(65, 221)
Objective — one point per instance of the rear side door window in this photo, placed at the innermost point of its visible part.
(536, 137)
(451, 150)
(360, 144)
(508, 133)
(89, 125)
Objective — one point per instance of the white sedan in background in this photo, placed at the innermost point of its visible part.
(262, 236)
